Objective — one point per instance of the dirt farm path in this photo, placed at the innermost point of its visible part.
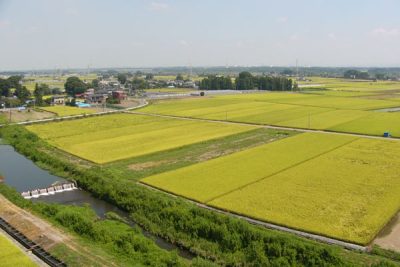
(389, 237)
(43, 233)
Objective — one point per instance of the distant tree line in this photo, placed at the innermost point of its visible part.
(247, 81)
(214, 82)
(365, 75)
(356, 74)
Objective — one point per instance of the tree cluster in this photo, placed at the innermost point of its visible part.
(356, 74)
(74, 86)
(12, 87)
(247, 81)
(213, 82)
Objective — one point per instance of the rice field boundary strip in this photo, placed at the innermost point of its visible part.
(284, 169)
(272, 226)
(270, 126)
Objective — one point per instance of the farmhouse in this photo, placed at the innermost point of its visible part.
(98, 98)
(119, 95)
(58, 100)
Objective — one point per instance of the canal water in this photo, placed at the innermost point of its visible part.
(22, 174)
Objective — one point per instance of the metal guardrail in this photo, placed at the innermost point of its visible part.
(30, 245)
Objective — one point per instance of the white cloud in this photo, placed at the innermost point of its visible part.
(158, 6)
(282, 19)
(183, 43)
(332, 36)
(134, 43)
(4, 23)
(239, 44)
(295, 37)
(386, 31)
(71, 11)
(32, 29)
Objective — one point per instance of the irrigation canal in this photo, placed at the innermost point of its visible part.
(22, 174)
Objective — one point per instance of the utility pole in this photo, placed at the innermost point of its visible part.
(10, 111)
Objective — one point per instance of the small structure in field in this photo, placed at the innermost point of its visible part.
(58, 100)
(119, 95)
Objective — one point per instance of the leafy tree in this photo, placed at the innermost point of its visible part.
(245, 81)
(214, 82)
(287, 72)
(22, 93)
(179, 77)
(149, 76)
(95, 83)
(45, 89)
(74, 86)
(122, 78)
(380, 76)
(295, 86)
(4, 87)
(38, 93)
(56, 91)
(14, 81)
(355, 74)
(139, 84)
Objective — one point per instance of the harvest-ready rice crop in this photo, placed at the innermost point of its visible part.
(211, 179)
(113, 137)
(376, 123)
(67, 110)
(349, 193)
(11, 255)
(339, 186)
(296, 110)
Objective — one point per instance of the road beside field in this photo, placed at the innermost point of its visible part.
(389, 238)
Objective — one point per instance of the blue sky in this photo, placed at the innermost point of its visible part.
(37, 34)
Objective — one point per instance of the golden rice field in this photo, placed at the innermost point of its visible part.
(362, 86)
(119, 136)
(308, 111)
(67, 110)
(216, 177)
(334, 185)
(11, 255)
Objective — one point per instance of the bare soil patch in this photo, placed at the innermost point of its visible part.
(25, 115)
(147, 165)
